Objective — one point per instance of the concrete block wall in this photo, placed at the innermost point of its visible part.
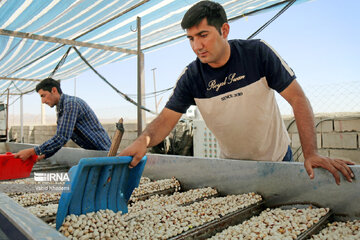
(15, 133)
(130, 133)
(39, 134)
(337, 137)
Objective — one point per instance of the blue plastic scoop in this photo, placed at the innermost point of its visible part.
(99, 183)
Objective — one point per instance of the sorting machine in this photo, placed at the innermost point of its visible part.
(278, 183)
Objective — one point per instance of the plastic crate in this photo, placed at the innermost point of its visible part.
(13, 168)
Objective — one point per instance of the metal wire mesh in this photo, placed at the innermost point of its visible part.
(328, 98)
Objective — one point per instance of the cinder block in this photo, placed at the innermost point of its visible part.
(28, 131)
(15, 128)
(324, 152)
(48, 133)
(111, 134)
(347, 125)
(295, 140)
(324, 124)
(321, 124)
(130, 135)
(121, 148)
(124, 143)
(318, 140)
(297, 154)
(25, 133)
(109, 127)
(352, 155)
(126, 136)
(37, 135)
(340, 140)
(47, 128)
(14, 135)
(290, 125)
(39, 139)
(130, 127)
(45, 138)
(37, 128)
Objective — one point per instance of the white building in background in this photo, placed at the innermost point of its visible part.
(204, 142)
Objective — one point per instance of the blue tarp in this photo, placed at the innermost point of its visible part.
(105, 22)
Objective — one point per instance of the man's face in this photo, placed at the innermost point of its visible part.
(207, 43)
(50, 98)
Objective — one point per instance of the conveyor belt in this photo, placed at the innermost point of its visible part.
(210, 229)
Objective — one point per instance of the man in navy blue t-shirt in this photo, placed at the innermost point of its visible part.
(232, 83)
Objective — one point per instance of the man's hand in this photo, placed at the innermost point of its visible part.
(332, 165)
(137, 150)
(153, 134)
(25, 154)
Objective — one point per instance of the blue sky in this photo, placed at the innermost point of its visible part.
(318, 39)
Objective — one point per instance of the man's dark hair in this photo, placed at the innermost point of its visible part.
(212, 11)
(47, 84)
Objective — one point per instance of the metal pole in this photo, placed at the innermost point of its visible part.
(7, 115)
(43, 120)
(64, 41)
(141, 118)
(75, 86)
(142, 76)
(21, 120)
(21, 79)
(156, 104)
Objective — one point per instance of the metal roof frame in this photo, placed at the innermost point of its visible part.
(95, 37)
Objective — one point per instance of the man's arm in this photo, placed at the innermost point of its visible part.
(64, 131)
(27, 153)
(153, 134)
(305, 123)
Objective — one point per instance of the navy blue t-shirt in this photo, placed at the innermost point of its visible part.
(250, 60)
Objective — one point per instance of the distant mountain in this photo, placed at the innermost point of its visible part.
(31, 119)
